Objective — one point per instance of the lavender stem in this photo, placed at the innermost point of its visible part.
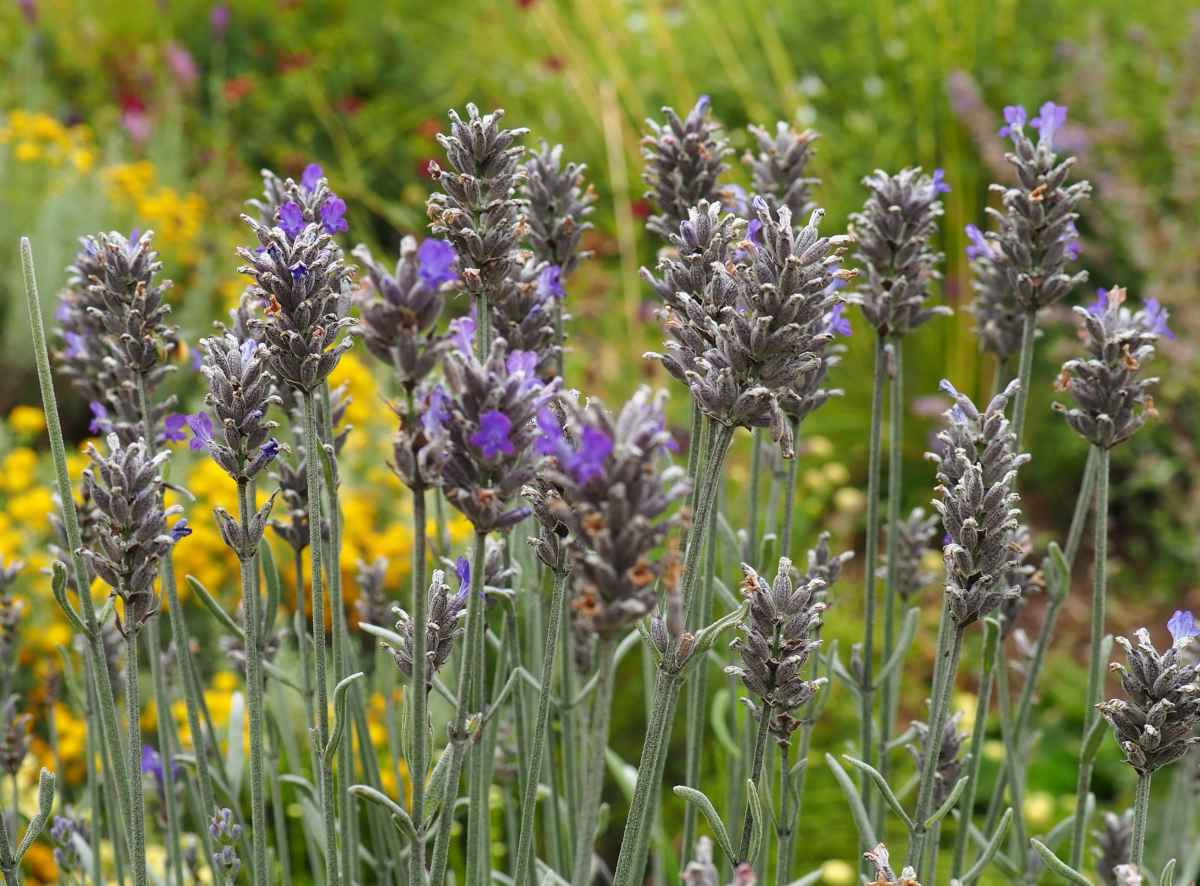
(524, 868)
(1095, 662)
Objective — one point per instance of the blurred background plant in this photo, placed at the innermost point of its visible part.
(125, 115)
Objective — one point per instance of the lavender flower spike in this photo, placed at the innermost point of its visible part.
(1113, 401)
(307, 314)
(778, 169)
(557, 207)
(486, 455)
(1156, 722)
(443, 628)
(977, 467)
(684, 159)
(130, 535)
(893, 233)
(240, 393)
(1036, 236)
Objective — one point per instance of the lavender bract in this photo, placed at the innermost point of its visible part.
(606, 490)
(684, 159)
(893, 234)
(1114, 401)
(1036, 236)
(487, 451)
(778, 168)
(976, 474)
(131, 536)
(446, 613)
(557, 208)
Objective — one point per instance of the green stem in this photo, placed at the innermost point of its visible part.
(1016, 784)
(751, 553)
(697, 688)
(418, 764)
(594, 765)
(471, 698)
(254, 695)
(162, 703)
(340, 640)
(90, 740)
(524, 870)
(634, 845)
(96, 658)
(640, 821)
(950, 638)
(1095, 660)
(760, 750)
(966, 806)
(137, 822)
(789, 497)
(1083, 505)
(890, 690)
(866, 689)
(282, 846)
(786, 822)
(312, 461)
(1141, 817)
(570, 738)
(1024, 374)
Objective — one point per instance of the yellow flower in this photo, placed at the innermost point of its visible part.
(27, 152)
(32, 509)
(17, 469)
(1039, 808)
(837, 872)
(27, 420)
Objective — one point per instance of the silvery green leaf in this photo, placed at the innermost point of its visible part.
(700, 800)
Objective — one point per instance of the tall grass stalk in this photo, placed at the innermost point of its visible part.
(418, 766)
(889, 692)
(991, 641)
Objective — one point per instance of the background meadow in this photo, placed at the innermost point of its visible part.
(159, 116)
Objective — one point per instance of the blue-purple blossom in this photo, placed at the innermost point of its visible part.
(979, 245)
(299, 269)
(76, 349)
(99, 423)
(173, 427)
(1183, 627)
(247, 349)
(1158, 315)
(492, 437)
(437, 411)
(201, 426)
(754, 229)
(333, 215)
(939, 181)
(588, 460)
(525, 363)
(551, 440)
(550, 283)
(180, 530)
(1050, 119)
(266, 454)
(311, 175)
(837, 322)
(1014, 120)
(1099, 304)
(436, 262)
(462, 567)
(291, 219)
(462, 332)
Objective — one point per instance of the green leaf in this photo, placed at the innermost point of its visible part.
(862, 821)
(948, 804)
(274, 591)
(700, 800)
(989, 850)
(908, 630)
(756, 819)
(1167, 877)
(211, 604)
(720, 726)
(339, 707)
(884, 788)
(1058, 866)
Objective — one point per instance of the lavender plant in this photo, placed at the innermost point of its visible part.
(1113, 403)
(893, 235)
(628, 546)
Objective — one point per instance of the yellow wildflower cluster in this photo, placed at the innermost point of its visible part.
(39, 138)
(174, 217)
